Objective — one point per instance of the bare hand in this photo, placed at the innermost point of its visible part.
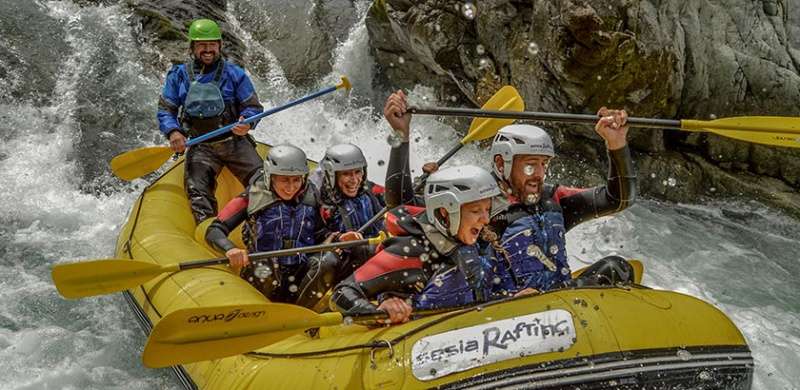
(398, 310)
(395, 113)
(613, 127)
(350, 236)
(177, 141)
(430, 167)
(238, 258)
(241, 128)
(527, 291)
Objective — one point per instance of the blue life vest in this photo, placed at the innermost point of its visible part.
(452, 286)
(283, 225)
(357, 211)
(536, 246)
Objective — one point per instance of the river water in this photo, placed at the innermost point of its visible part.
(74, 93)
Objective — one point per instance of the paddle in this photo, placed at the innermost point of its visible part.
(193, 335)
(767, 130)
(139, 162)
(507, 98)
(89, 278)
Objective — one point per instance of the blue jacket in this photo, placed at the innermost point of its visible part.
(236, 87)
(449, 286)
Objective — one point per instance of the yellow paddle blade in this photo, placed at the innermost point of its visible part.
(192, 335)
(89, 278)
(139, 162)
(506, 99)
(766, 130)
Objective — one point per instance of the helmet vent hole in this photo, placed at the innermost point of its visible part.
(462, 187)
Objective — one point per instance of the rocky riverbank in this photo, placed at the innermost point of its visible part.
(691, 59)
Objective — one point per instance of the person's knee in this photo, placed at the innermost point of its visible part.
(616, 269)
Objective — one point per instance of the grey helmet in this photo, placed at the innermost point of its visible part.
(452, 187)
(514, 140)
(342, 157)
(288, 160)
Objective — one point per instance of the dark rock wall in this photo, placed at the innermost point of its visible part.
(667, 59)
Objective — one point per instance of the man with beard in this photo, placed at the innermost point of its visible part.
(200, 96)
(532, 218)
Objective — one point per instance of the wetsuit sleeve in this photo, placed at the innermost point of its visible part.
(618, 193)
(169, 103)
(399, 186)
(231, 216)
(391, 270)
(247, 97)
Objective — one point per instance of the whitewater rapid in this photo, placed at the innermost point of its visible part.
(59, 203)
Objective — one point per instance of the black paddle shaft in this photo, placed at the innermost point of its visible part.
(541, 116)
(277, 253)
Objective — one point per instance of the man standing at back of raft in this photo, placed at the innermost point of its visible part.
(532, 218)
(200, 96)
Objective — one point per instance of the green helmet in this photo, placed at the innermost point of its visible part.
(204, 30)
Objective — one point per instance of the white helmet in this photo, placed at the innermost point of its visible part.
(286, 160)
(452, 187)
(514, 140)
(342, 157)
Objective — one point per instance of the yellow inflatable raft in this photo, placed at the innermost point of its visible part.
(625, 338)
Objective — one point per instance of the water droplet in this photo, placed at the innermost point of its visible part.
(394, 140)
(763, 90)
(438, 282)
(347, 320)
(319, 295)
(533, 48)
(406, 249)
(684, 355)
(599, 77)
(262, 272)
(712, 116)
(713, 189)
(496, 280)
(405, 274)
(469, 10)
(381, 163)
(391, 64)
(293, 288)
(672, 182)
(529, 170)
(553, 249)
(653, 175)
(274, 282)
(705, 376)
(483, 63)
(291, 278)
(453, 98)
(401, 60)
(424, 257)
(480, 50)
(437, 27)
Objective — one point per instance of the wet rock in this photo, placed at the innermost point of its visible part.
(692, 59)
(301, 35)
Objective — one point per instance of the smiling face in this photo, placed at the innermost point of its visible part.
(286, 187)
(206, 52)
(527, 176)
(474, 216)
(349, 181)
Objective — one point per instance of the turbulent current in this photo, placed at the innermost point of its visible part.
(74, 93)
